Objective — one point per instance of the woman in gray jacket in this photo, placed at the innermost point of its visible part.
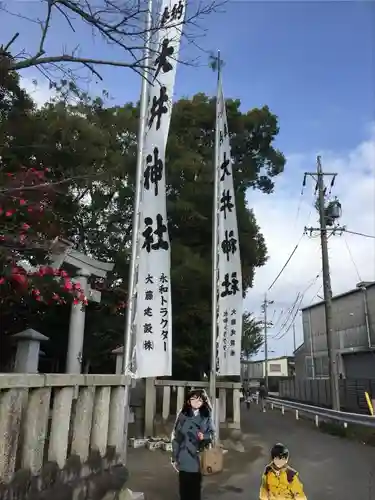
(193, 431)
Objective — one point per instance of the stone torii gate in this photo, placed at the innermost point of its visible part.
(84, 267)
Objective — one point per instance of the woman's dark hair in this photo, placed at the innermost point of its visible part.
(205, 409)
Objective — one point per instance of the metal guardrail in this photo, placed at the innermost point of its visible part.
(323, 413)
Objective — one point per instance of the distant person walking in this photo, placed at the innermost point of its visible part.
(263, 393)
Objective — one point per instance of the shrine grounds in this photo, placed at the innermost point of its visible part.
(331, 467)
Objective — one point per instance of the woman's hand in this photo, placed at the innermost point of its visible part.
(200, 436)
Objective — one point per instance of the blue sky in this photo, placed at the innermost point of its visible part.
(313, 64)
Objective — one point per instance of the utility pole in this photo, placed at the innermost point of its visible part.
(294, 338)
(324, 217)
(265, 344)
(265, 304)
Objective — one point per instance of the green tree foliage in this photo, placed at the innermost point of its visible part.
(52, 159)
(90, 151)
(252, 336)
(190, 188)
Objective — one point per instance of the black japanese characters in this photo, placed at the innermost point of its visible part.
(229, 244)
(164, 289)
(224, 167)
(161, 62)
(230, 285)
(175, 14)
(158, 108)
(148, 234)
(148, 345)
(226, 204)
(153, 173)
(222, 134)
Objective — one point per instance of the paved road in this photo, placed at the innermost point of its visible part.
(331, 468)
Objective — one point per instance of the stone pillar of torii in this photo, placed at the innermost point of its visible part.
(85, 267)
(62, 252)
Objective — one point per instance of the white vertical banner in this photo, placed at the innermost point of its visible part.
(230, 300)
(153, 312)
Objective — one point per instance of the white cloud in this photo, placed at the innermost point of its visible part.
(277, 216)
(38, 90)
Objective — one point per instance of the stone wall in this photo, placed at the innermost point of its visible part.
(61, 437)
(98, 478)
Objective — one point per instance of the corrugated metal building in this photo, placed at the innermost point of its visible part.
(278, 369)
(354, 336)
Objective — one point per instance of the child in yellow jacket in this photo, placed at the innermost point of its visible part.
(279, 481)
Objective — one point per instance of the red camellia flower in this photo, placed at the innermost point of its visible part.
(39, 225)
(21, 279)
(68, 285)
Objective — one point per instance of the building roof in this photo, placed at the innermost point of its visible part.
(290, 358)
(362, 284)
(299, 348)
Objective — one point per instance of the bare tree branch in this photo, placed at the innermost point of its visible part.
(48, 184)
(45, 27)
(117, 22)
(79, 60)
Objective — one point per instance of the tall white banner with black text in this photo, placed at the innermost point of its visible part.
(230, 300)
(153, 316)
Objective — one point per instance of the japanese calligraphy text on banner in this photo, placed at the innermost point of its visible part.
(230, 300)
(153, 316)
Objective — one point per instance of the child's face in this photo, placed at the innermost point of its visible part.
(280, 462)
(196, 402)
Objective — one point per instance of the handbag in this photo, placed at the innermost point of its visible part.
(211, 460)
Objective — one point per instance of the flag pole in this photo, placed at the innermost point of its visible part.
(128, 334)
(215, 256)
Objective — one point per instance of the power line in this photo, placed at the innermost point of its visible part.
(286, 263)
(290, 312)
(300, 297)
(299, 203)
(292, 322)
(360, 234)
(316, 295)
(279, 318)
(273, 315)
(288, 316)
(298, 308)
(284, 318)
(352, 258)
